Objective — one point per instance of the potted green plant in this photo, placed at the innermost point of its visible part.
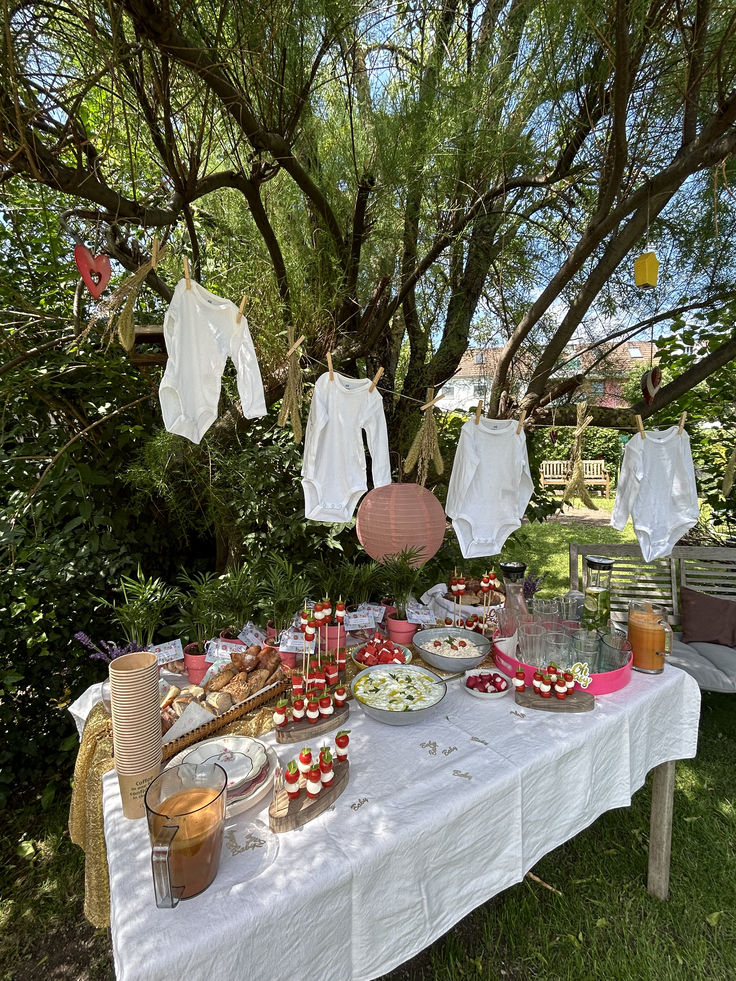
(200, 618)
(400, 577)
(237, 598)
(282, 593)
(145, 602)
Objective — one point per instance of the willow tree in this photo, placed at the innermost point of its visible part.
(381, 174)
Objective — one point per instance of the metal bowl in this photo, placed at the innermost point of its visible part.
(450, 663)
(403, 716)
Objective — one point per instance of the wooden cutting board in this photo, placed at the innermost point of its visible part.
(575, 701)
(285, 814)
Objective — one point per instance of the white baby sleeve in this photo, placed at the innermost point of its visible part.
(377, 440)
(463, 470)
(250, 384)
(316, 423)
(526, 484)
(684, 488)
(629, 482)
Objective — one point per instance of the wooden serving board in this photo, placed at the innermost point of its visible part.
(576, 701)
(297, 732)
(286, 815)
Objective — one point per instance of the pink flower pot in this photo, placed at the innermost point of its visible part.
(288, 658)
(400, 631)
(195, 664)
(233, 640)
(335, 637)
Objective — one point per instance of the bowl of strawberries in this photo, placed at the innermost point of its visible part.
(483, 683)
(380, 650)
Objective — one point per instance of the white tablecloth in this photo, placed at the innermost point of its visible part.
(437, 818)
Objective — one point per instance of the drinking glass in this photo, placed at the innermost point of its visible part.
(585, 645)
(547, 611)
(615, 652)
(559, 649)
(570, 607)
(507, 622)
(532, 643)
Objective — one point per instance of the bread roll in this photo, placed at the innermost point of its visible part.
(269, 659)
(244, 660)
(169, 697)
(181, 703)
(238, 687)
(220, 701)
(196, 691)
(221, 679)
(257, 679)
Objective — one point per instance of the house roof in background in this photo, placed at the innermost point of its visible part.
(481, 362)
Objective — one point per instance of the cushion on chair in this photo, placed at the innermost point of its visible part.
(707, 619)
(712, 665)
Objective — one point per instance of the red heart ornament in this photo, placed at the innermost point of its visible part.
(94, 269)
(650, 382)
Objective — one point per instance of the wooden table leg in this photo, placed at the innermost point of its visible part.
(660, 829)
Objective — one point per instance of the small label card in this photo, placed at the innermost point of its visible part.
(359, 620)
(170, 651)
(377, 609)
(416, 613)
(292, 641)
(220, 650)
(251, 634)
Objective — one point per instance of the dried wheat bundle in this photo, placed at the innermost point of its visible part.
(123, 298)
(729, 474)
(426, 447)
(291, 404)
(576, 484)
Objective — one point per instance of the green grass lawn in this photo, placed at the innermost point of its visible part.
(598, 923)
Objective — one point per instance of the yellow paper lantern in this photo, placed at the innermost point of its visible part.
(646, 269)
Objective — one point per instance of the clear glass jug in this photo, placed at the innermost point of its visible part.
(185, 808)
(597, 596)
(513, 580)
(650, 635)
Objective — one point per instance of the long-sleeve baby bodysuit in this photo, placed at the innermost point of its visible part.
(201, 330)
(657, 488)
(490, 485)
(334, 467)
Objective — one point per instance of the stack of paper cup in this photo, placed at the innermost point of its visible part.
(136, 726)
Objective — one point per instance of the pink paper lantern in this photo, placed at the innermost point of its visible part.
(400, 516)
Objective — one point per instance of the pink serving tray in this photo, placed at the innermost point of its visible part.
(601, 684)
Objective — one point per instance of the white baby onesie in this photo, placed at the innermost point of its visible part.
(657, 488)
(201, 330)
(334, 467)
(490, 485)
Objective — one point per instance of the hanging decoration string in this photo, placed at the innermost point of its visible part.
(425, 449)
(123, 299)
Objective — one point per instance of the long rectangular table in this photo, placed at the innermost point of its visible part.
(438, 817)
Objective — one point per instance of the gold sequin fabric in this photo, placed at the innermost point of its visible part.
(85, 813)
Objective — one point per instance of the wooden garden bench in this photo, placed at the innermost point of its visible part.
(557, 473)
(708, 569)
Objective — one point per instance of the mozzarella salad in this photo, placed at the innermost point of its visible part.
(452, 647)
(398, 690)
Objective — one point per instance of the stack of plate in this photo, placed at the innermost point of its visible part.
(248, 763)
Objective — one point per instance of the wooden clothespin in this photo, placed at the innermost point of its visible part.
(329, 367)
(522, 417)
(583, 427)
(294, 346)
(186, 273)
(683, 417)
(376, 379)
(478, 412)
(241, 308)
(640, 426)
(428, 405)
(154, 253)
